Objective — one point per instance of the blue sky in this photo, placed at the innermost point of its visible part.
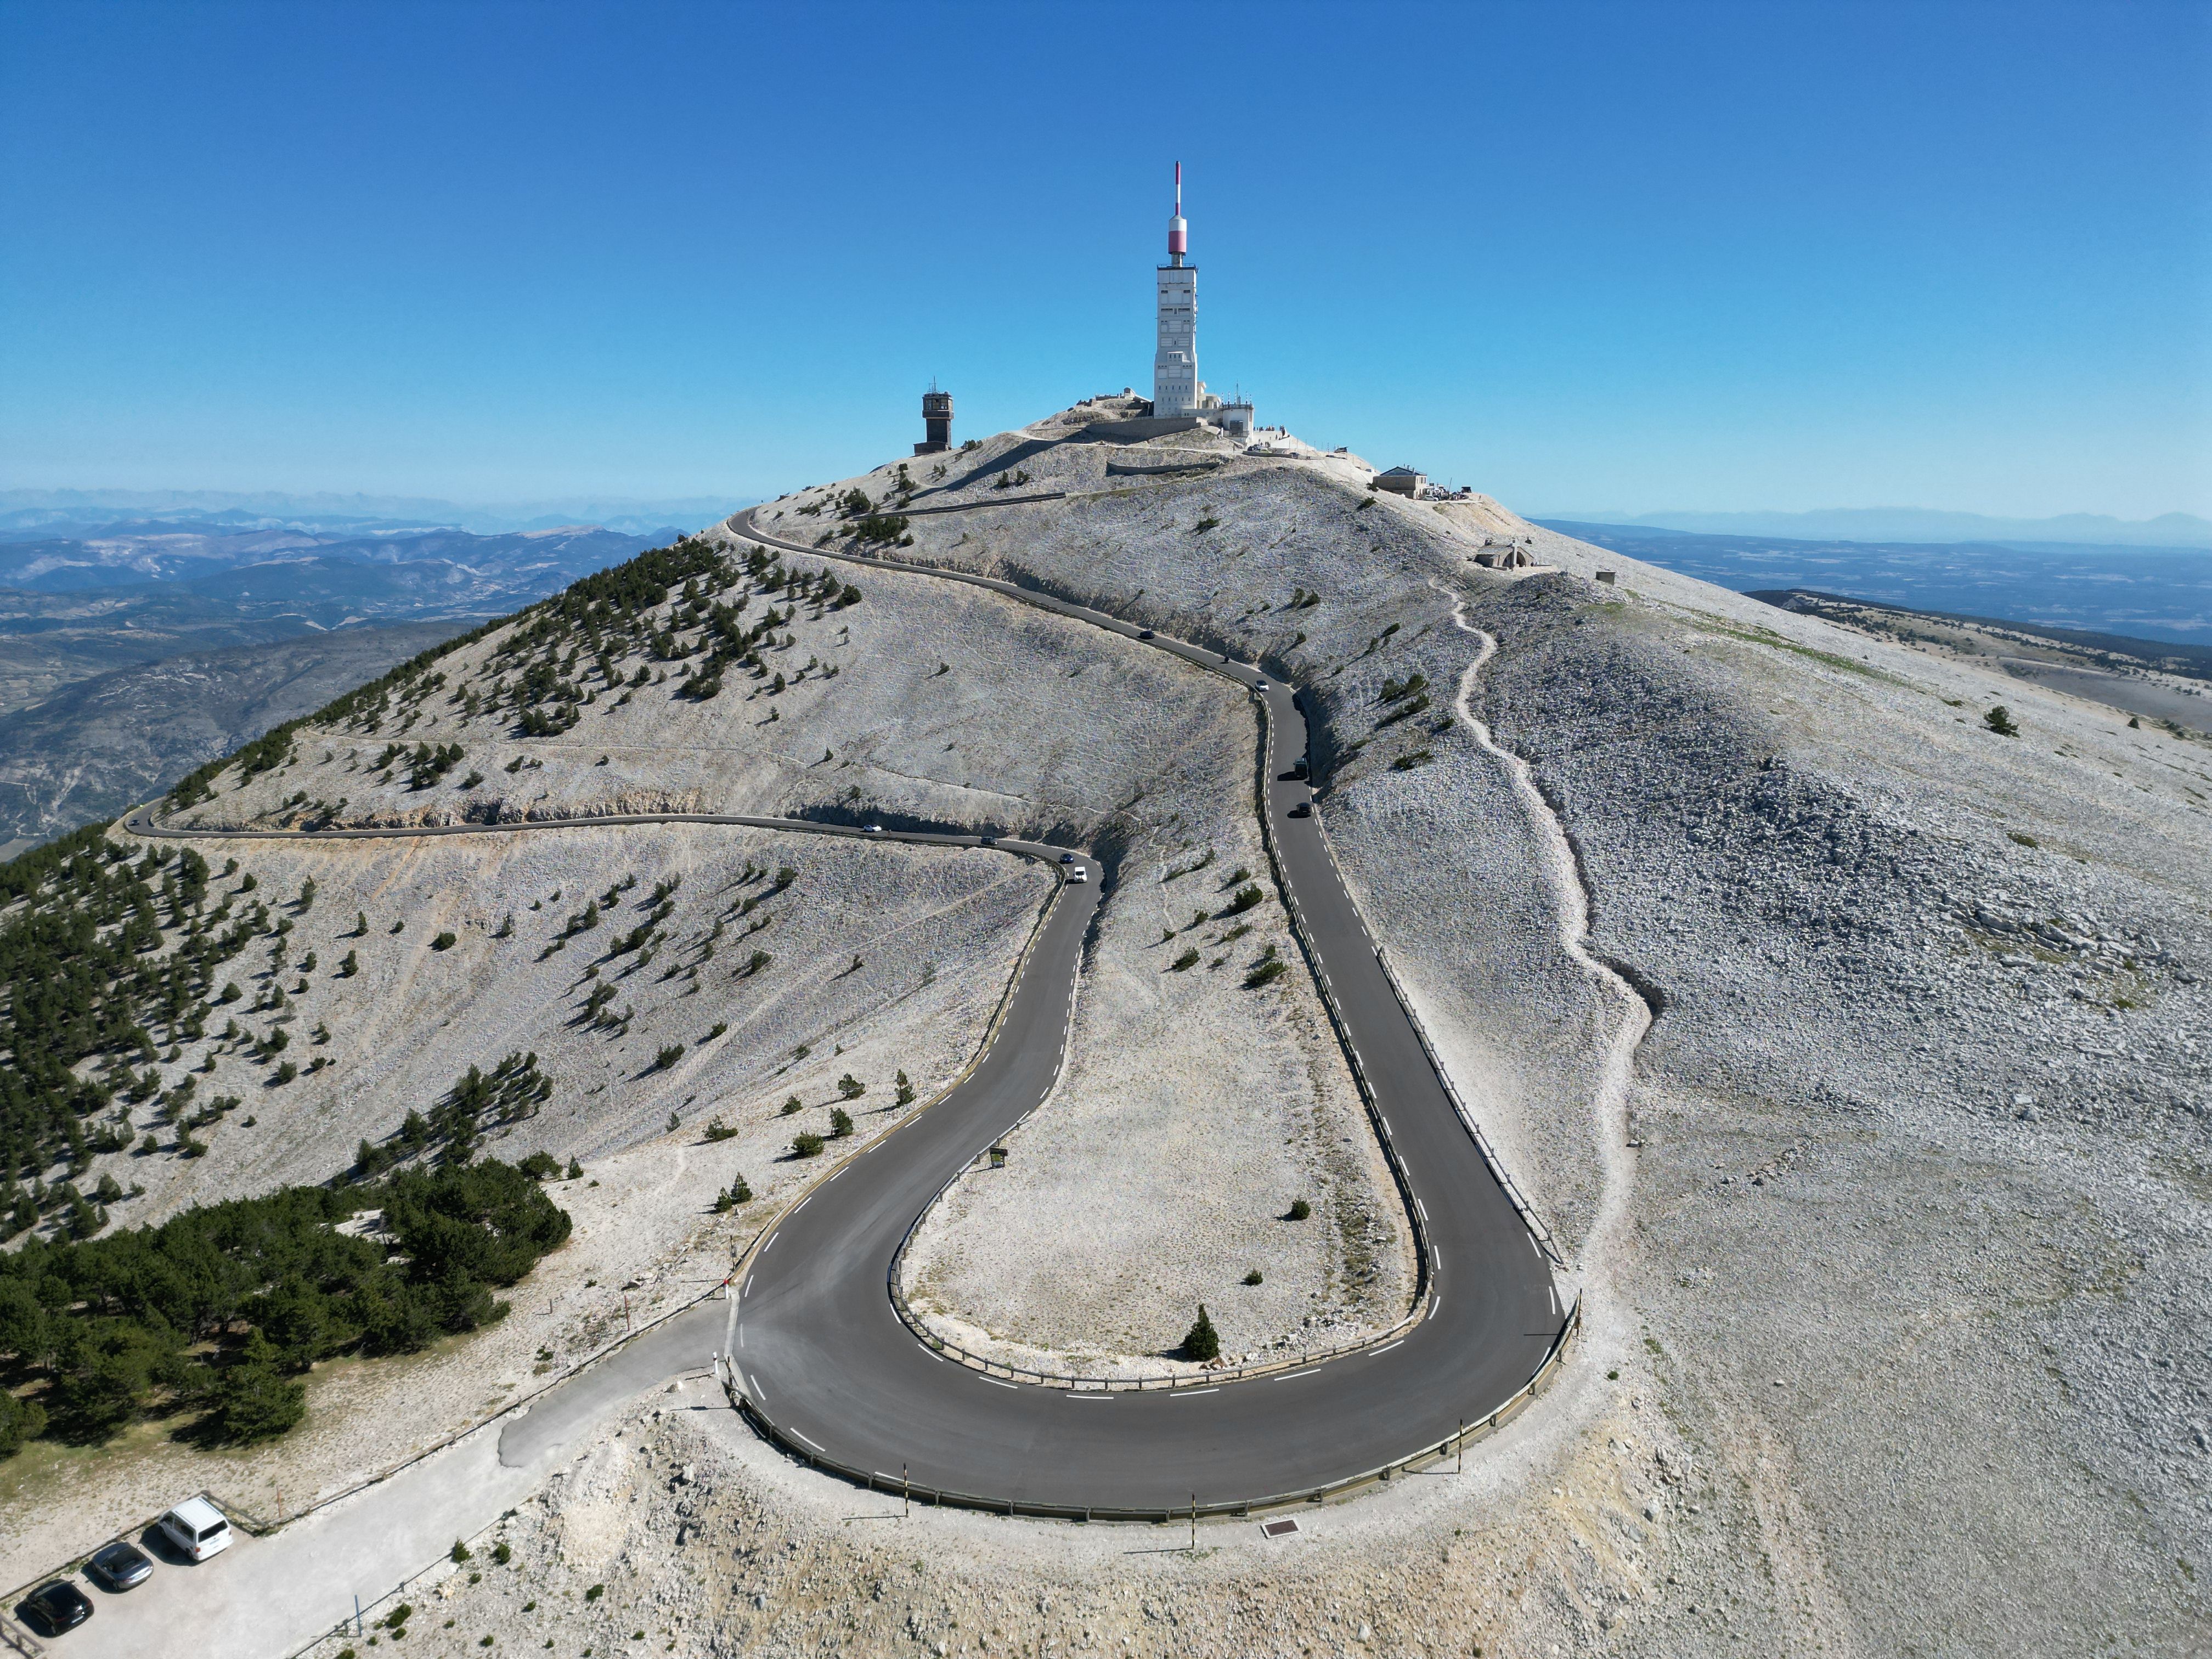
(1583, 256)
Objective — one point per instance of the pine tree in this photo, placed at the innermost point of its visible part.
(1201, 1341)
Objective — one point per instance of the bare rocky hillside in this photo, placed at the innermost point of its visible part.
(1902, 1219)
(1852, 1048)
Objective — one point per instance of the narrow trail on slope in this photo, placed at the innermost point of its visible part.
(1563, 879)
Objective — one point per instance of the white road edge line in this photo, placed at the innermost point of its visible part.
(1387, 1346)
(1187, 1393)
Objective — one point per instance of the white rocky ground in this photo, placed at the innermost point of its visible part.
(1903, 1228)
(1194, 1113)
(1893, 1248)
(937, 931)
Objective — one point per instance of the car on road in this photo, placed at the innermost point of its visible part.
(1067, 858)
(987, 841)
(1144, 634)
(118, 1566)
(1260, 686)
(1077, 874)
(875, 828)
(197, 1528)
(54, 1608)
(1302, 810)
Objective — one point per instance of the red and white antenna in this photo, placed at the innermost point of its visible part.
(1178, 228)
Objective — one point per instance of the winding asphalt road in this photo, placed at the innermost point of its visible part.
(826, 1363)
(827, 1366)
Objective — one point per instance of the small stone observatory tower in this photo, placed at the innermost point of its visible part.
(935, 422)
(1174, 357)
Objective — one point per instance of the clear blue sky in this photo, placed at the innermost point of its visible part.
(1584, 257)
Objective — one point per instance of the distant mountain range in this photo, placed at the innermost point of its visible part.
(1915, 524)
(132, 650)
(50, 510)
(170, 551)
(100, 744)
(2143, 592)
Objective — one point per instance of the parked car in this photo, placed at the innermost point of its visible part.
(118, 1566)
(197, 1528)
(54, 1608)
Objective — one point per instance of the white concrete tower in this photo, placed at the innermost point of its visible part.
(1174, 357)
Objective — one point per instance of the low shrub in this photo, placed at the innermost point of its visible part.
(841, 1123)
(1300, 1210)
(806, 1145)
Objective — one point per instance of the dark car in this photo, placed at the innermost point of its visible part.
(118, 1567)
(1144, 633)
(1302, 810)
(52, 1608)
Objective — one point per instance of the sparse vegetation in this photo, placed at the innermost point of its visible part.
(1201, 1341)
(1999, 720)
(806, 1145)
(1300, 1209)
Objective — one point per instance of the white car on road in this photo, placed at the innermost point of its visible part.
(197, 1528)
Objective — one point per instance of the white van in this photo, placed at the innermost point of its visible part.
(197, 1528)
(1077, 874)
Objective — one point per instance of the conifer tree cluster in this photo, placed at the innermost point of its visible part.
(101, 953)
(511, 1092)
(220, 1308)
